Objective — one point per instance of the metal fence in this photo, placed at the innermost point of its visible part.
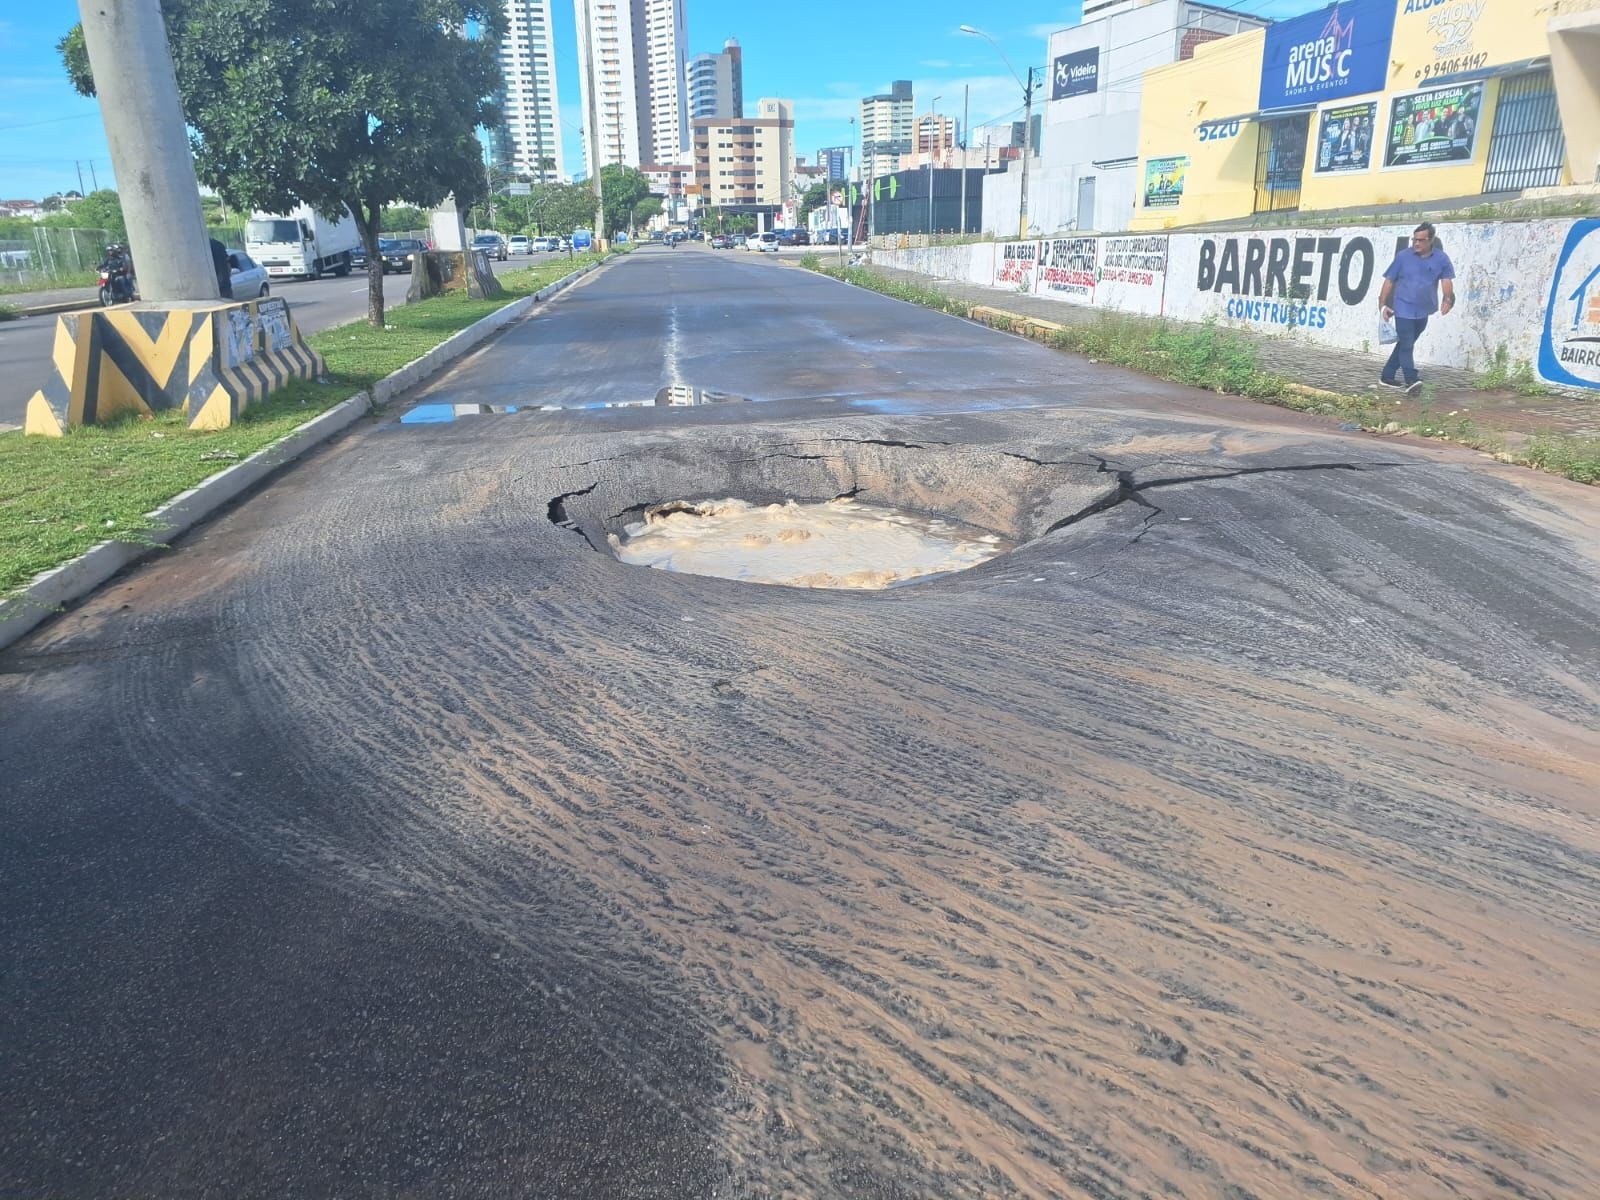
(46, 257)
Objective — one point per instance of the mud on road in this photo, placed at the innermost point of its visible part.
(1236, 836)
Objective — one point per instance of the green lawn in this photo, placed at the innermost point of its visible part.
(60, 496)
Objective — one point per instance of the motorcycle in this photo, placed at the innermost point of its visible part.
(117, 285)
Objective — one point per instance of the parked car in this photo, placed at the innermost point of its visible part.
(721, 241)
(249, 278)
(398, 253)
(794, 237)
(520, 244)
(762, 241)
(491, 244)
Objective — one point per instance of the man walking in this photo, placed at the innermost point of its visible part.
(1410, 295)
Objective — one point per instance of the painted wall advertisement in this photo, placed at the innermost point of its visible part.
(1334, 52)
(1133, 273)
(1015, 264)
(1075, 74)
(1452, 27)
(1344, 138)
(1439, 125)
(1569, 350)
(1526, 290)
(1067, 269)
(1163, 181)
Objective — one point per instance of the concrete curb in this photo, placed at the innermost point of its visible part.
(71, 581)
(60, 306)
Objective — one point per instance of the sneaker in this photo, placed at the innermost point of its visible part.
(1388, 383)
(1414, 389)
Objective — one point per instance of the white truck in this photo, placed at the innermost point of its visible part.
(301, 244)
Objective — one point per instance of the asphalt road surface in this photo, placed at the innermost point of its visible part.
(316, 303)
(1237, 835)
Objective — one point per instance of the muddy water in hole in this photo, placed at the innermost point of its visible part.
(832, 544)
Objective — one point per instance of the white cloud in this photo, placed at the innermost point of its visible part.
(935, 64)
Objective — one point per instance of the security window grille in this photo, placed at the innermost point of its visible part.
(1280, 162)
(1528, 146)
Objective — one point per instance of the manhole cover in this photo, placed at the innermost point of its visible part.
(827, 544)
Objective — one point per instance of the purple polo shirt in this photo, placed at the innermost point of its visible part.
(1416, 282)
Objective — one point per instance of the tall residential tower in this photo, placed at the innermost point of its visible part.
(716, 83)
(886, 129)
(640, 107)
(528, 140)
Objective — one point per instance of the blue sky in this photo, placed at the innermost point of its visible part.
(824, 57)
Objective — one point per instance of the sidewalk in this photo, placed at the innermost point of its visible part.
(1453, 391)
(31, 303)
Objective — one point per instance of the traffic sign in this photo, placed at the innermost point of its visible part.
(519, 189)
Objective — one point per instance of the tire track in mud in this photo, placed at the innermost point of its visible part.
(1112, 887)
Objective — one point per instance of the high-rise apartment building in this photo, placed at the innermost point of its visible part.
(528, 139)
(641, 110)
(886, 129)
(660, 43)
(716, 83)
(746, 161)
(611, 114)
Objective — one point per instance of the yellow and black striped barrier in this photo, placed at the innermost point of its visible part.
(211, 359)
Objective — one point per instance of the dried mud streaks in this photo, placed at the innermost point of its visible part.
(1112, 870)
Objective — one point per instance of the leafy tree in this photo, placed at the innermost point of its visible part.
(647, 210)
(402, 218)
(559, 208)
(97, 210)
(816, 196)
(334, 105)
(621, 190)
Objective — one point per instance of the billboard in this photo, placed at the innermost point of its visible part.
(1075, 74)
(1344, 137)
(1439, 125)
(1338, 51)
(1163, 181)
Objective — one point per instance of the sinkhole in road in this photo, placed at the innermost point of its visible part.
(811, 508)
(836, 543)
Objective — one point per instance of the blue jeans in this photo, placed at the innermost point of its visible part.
(1409, 329)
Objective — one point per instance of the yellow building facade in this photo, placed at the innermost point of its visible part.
(1374, 102)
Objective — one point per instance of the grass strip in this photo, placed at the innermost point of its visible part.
(61, 496)
(1220, 360)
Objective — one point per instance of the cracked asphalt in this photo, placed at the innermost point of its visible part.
(1237, 836)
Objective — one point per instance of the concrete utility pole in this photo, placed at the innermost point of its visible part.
(138, 89)
(594, 132)
(1027, 152)
(966, 97)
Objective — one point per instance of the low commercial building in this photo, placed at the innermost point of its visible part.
(1371, 103)
(1083, 173)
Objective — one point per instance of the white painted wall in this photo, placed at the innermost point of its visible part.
(1531, 287)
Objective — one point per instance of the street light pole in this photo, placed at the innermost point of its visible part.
(933, 114)
(1027, 123)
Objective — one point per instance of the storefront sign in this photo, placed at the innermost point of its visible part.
(1163, 181)
(1439, 125)
(1338, 51)
(1075, 74)
(1569, 351)
(1067, 269)
(1344, 138)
